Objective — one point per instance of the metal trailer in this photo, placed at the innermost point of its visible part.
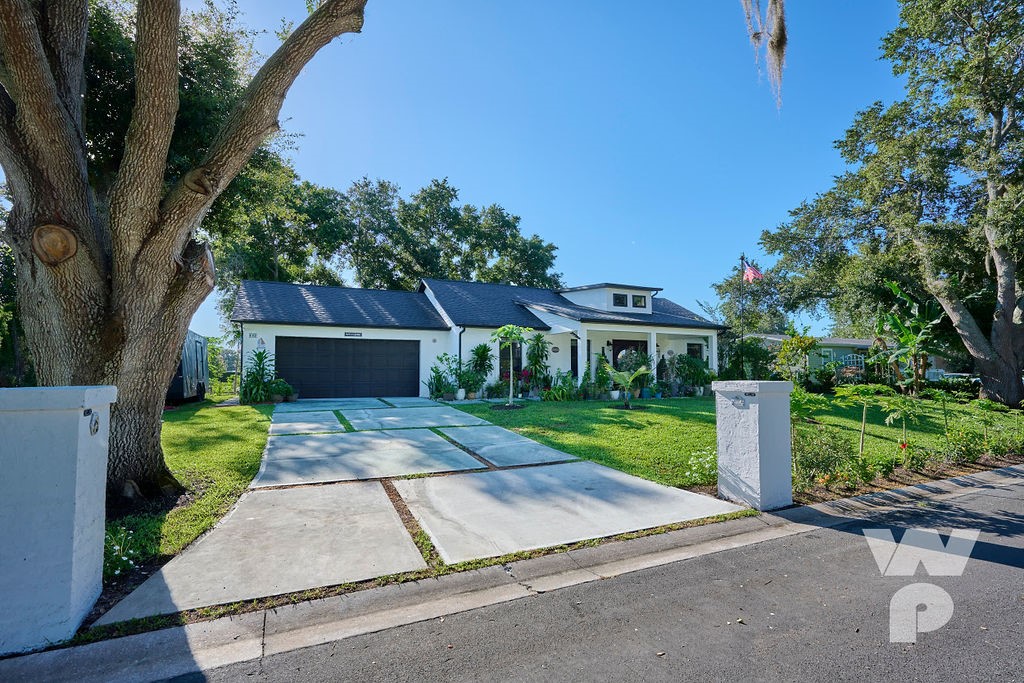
(192, 378)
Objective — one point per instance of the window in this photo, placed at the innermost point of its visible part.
(574, 357)
(517, 361)
(619, 300)
(639, 301)
(695, 350)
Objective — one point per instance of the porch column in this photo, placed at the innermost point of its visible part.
(581, 355)
(713, 351)
(652, 349)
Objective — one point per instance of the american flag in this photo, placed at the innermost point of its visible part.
(750, 273)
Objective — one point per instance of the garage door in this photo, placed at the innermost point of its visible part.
(342, 368)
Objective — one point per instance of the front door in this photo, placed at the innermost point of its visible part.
(620, 346)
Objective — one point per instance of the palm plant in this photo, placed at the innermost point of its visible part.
(508, 336)
(626, 380)
(481, 359)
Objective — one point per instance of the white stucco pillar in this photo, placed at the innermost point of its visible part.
(754, 457)
(652, 349)
(581, 355)
(53, 477)
(713, 351)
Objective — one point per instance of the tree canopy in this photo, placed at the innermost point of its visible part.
(933, 193)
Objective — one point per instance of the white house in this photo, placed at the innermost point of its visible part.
(342, 341)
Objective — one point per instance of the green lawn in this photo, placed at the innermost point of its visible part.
(673, 442)
(928, 432)
(214, 453)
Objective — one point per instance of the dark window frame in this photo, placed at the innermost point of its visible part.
(642, 298)
(620, 297)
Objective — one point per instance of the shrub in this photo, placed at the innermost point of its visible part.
(964, 445)
(691, 371)
(537, 361)
(481, 359)
(954, 385)
(279, 387)
(440, 382)
(259, 373)
(821, 455)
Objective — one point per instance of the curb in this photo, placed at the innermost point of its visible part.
(205, 645)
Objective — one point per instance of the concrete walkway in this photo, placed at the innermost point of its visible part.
(318, 513)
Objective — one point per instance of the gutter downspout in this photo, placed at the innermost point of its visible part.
(462, 330)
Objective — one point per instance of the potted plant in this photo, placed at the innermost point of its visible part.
(279, 389)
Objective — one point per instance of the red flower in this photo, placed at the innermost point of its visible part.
(903, 446)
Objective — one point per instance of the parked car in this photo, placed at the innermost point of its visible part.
(192, 377)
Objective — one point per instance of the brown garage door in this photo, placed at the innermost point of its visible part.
(340, 368)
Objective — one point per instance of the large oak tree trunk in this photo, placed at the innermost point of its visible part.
(107, 285)
(81, 333)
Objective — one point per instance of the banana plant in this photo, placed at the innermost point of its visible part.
(626, 380)
(911, 324)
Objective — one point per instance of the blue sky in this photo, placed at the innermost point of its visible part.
(638, 137)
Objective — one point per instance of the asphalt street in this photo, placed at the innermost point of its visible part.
(814, 606)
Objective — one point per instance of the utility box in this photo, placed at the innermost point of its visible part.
(755, 461)
(53, 476)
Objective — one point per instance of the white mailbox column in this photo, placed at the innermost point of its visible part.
(53, 475)
(754, 457)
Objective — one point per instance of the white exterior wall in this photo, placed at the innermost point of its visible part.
(432, 342)
(602, 299)
(557, 361)
(591, 298)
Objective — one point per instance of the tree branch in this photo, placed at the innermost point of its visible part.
(65, 34)
(43, 121)
(135, 195)
(255, 116)
(964, 323)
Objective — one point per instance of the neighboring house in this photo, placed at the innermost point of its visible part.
(848, 352)
(341, 341)
(842, 349)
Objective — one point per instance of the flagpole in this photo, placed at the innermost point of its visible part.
(743, 370)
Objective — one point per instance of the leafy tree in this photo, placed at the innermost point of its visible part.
(276, 227)
(793, 360)
(110, 173)
(395, 242)
(933, 195)
(507, 336)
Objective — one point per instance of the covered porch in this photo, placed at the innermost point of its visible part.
(612, 342)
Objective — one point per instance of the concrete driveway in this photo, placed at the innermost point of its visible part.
(318, 512)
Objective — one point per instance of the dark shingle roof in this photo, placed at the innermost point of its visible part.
(290, 304)
(486, 304)
(481, 304)
(608, 285)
